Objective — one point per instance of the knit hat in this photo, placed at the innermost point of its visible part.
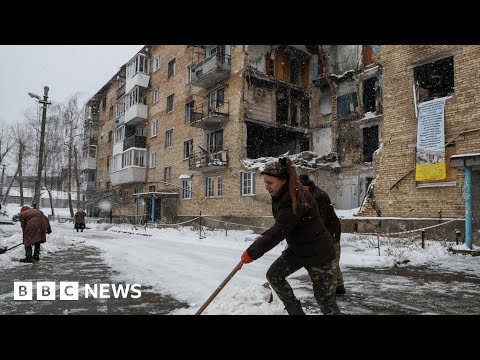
(305, 180)
(24, 208)
(276, 168)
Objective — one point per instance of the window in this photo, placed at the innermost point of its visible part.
(156, 63)
(102, 131)
(167, 175)
(171, 68)
(153, 159)
(107, 185)
(151, 188)
(189, 111)
(109, 159)
(110, 133)
(326, 102)
(216, 98)
(120, 106)
(110, 114)
(434, 80)
(215, 141)
(186, 189)
(347, 105)
(169, 138)
(188, 149)
(141, 131)
(119, 134)
(189, 74)
(219, 186)
(247, 183)
(369, 95)
(153, 127)
(209, 186)
(370, 142)
(170, 103)
(156, 95)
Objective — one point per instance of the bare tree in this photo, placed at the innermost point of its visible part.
(6, 144)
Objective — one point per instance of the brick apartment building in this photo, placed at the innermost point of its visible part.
(172, 128)
(413, 75)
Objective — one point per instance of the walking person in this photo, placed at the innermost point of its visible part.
(35, 226)
(310, 246)
(332, 223)
(80, 220)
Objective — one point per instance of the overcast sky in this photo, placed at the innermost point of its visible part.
(65, 69)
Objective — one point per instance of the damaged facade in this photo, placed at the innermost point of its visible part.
(414, 75)
(176, 122)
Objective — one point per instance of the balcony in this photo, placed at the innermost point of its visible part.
(128, 175)
(211, 70)
(88, 186)
(120, 120)
(136, 114)
(207, 117)
(135, 141)
(89, 163)
(121, 91)
(90, 141)
(205, 162)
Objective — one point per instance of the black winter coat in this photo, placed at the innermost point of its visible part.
(327, 212)
(307, 237)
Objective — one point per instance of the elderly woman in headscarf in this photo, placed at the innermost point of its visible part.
(310, 245)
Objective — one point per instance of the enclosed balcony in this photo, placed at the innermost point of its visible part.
(89, 157)
(89, 163)
(135, 141)
(138, 70)
(211, 70)
(128, 167)
(205, 161)
(209, 116)
(136, 109)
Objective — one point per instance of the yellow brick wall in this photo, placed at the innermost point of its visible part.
(397, 157)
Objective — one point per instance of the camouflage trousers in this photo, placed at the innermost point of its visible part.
(322, 281)
(337, 272)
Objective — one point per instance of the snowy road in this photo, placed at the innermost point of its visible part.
(178, 272)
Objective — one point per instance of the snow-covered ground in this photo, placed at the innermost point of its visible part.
(177, 262)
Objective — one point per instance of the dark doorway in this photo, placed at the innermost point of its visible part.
(370, 142)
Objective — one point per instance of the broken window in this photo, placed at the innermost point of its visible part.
(369, 94)
(434, 80)
(282, 106)
(347, 101)
(326, 102)
(370, 142)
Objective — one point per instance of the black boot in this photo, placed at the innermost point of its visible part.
(36, 253)
(340, 290)
(295, 309)
(28, 255)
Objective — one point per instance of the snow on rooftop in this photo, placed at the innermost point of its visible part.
(304, 159)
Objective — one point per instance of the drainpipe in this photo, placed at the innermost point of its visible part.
(153, 209)
(136, 210)
(468, 206)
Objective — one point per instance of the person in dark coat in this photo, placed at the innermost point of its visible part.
(80, 220)
(310, 246)
(35, 226)
(332, 223)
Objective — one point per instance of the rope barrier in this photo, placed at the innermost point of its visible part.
(412, 231)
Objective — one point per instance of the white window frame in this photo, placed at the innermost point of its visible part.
(154, 128)
(209, 187)
(156, 95)
(247, 183)
(219, 186)
(156, 63)
(172, 96)
(167, 174)
(187, 145)
(168, 138)
(186, 189)
(153, 159)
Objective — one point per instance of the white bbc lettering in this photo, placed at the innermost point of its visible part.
(69, 290)
(45, 290)
(22, 290)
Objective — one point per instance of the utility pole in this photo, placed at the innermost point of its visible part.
(1, 181)
(38, 180)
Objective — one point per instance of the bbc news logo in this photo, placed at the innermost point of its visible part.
(70, 290)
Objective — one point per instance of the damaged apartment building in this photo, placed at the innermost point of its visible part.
(176, 123)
